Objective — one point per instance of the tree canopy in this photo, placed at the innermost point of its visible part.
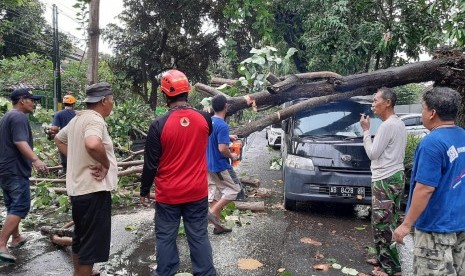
(158, 35)
(23, 29)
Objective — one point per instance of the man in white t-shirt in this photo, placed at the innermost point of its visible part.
(91, 175)
(386, 152)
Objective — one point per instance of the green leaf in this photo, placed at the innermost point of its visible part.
(349, 271)
(258, 60)
(360, 228)
(130, 227)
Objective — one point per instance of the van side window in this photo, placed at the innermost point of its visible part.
(411, 122)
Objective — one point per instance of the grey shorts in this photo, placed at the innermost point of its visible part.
(439, 253)
(221, 185)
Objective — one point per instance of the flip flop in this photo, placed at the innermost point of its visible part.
(7, 257)
(19, 244)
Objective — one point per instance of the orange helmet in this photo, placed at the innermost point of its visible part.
(68, 99)
(174, 82)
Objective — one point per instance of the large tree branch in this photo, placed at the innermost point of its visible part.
(433, 70)
(287, 112)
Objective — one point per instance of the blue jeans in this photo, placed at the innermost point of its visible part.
(16, 195)
(167, 219)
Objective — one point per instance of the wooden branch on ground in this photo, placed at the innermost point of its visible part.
(131, 171)
(133, 155)
(250, 205)
(49, 231)
(63, 191)
(51, 180)
(55, 168)
(140, 131)
(130, 163)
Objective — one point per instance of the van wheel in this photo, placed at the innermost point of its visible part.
(290, 204)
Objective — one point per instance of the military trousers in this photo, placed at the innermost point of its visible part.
(439, 253)
(386, 201)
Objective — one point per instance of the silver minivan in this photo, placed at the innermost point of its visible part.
(323, 155)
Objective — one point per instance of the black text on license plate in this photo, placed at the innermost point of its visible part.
(345, 191)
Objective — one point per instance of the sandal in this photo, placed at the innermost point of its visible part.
(19, 244)
(7, 257)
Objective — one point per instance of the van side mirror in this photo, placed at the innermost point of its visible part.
(285, 125)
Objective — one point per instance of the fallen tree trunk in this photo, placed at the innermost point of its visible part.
(257, 206)
(433, 70)
(287, 112)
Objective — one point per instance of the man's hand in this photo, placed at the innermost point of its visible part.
(400, 232)
(234, 156)
(365, 122)
(98, 171)
(233, 138)
(40, 166)
(145, 200)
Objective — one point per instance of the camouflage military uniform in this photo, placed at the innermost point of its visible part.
(436, 253)
(386, 198)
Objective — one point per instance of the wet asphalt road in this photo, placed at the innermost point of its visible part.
(272, 237)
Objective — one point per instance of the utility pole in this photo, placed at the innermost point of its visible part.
(56, 62)
(94, 34)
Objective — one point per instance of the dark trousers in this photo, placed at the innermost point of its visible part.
(167, 219)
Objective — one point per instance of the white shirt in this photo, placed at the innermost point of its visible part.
(387, 150)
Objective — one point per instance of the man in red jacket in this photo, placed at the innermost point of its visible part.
(175, 157)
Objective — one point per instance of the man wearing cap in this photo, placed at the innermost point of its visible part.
(62, 118)
(92, 174)
(16, 162)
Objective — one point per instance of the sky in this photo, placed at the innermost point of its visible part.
(67, 21)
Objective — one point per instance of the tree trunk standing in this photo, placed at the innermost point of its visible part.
(94, 33)
(153, 94)
(143, 75)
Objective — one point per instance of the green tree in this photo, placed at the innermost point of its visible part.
(453, 21)
(23, 29)
(157, 35)
(349, 36)
(244, 25)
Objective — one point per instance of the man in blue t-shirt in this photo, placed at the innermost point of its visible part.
(222, 189)
(62, 118)
(436, 205)
(16, 162)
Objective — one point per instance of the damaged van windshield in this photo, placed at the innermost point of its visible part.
(335, 119)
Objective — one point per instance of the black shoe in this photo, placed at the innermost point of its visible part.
(222, 230)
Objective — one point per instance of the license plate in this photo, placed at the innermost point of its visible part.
(346, 191)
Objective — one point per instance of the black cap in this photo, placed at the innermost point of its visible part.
(97, 91)
(23, 93)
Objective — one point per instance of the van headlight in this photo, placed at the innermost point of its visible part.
(297, 162)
